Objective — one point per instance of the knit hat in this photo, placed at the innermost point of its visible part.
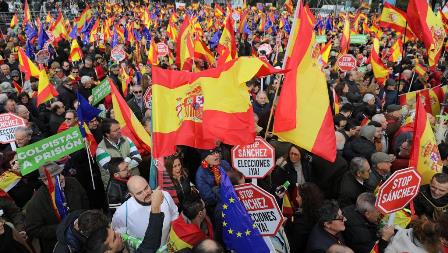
(367, 97)
(380, 157)
(368, 132)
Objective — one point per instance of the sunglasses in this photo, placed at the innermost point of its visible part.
(75, 72)
(138, 92)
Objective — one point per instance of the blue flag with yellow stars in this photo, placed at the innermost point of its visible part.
(239, 232)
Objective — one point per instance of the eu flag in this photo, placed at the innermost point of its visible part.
(30, 31)
(215, 39)
(43, 37)
(329, 24)
(239, 232)
(114, 41)
(74, 32)
(29, 51)
(85, 111)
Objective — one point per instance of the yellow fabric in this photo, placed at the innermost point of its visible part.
(175, 243)
(227, 93)
(74, 51)
(396, 51)
(8, 180)
(185, 39)
(435, 24)
(43, 85)
(379, 71)
(311, 105)
(23, 59)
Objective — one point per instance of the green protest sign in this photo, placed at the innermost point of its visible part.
(358, 39)
(321, 39)
(100, 91)
(32, 156)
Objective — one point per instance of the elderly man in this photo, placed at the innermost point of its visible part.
(5, 76)
(261, 104)
(353, 182)
(42, 217)
(432, 199)
(380, 118)
(361, 228)
(381, 163)
(133, 215)
(136, 103)
(23, 112)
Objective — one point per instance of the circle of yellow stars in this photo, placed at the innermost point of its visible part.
(230, 230)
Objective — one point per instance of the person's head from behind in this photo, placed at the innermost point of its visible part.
(139, 188)
(340, 141)
(104, 240)
(427, 233)
(118, 168)
(208, 246)
(194, 209)
(310, 199)
(89, 221)
(337, 248)
(365, 204)
(331, 217)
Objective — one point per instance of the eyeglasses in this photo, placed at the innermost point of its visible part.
(138, 92)
(340, 217)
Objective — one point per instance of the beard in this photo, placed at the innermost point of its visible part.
(143, 203)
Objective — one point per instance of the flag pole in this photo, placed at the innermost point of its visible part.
(90, 164)
(403, 49)
(288, 47)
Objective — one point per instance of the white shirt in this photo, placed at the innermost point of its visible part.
(137, 217)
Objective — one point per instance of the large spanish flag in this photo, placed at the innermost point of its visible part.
(26, 65)
(380, 71)
(395, 19)
(303, 114)
(427, 27)
(345, 40)
(130, 126)
(201, 51)
(185, 46)
(425, 155)
(198, 108)
(45, 90)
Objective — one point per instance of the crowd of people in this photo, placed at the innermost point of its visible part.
(106, 204)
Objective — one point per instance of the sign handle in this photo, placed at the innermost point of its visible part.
(391, 220)
(13, 146)
(255, 181)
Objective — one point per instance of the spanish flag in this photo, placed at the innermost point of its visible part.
(198, 108)
(303, 114)
(26, 13)
(153, 58)
(428, 28)
(380, 71)
(75, 52)
(395, 19)
(219, 12)
(420, 69)
(396, 51)
(45, 90)
(58, 28)
(287, 207)
(26, 65)
(376, 30)
(325, 52)
(130, 126)
(345, 40)
(14, 21)
(185, 46)
(185, 235)
(85, 16)
(201, 51)
(425, 155)
(227, 43)
(94, 31)
(433, 97)
(171, 30)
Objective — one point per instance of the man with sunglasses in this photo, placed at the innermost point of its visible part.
(136, 103)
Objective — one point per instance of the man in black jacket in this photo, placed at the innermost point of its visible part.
(353, 182)
(117, 190)
(361, 228)
(41, 218)
(432, 199)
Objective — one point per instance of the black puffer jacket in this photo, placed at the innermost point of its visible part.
(359, 147)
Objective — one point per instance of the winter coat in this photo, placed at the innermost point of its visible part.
(425, 204)
(69, 239)
(11, 242)
(117, 193)
(350, 190)
(328, 175)
(359, 147)
(320, 240)
(12, 213)
(41, 220)
(359, 234)
(66, 96)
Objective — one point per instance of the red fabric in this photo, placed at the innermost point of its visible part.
(191, 233)
(417, 12)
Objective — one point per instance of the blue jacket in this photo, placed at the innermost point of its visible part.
(205, 181)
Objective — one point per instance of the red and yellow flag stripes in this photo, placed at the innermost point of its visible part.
(303, 114)
(197, 109)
